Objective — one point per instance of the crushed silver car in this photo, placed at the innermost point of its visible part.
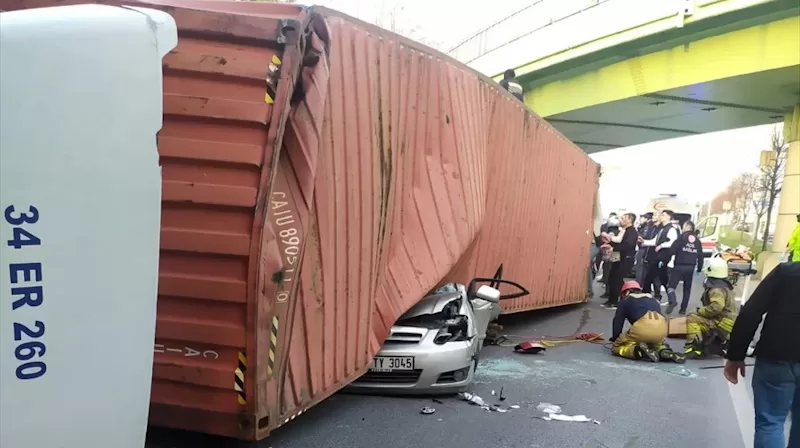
(433, 348)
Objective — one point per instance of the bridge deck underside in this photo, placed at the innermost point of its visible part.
(736, 102)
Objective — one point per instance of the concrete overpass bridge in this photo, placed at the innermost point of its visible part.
(616, 73)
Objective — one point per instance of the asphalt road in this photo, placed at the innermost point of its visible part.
(637, 404)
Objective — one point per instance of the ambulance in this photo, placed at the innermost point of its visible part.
(708, 229)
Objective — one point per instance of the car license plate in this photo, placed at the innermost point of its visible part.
(392, 363)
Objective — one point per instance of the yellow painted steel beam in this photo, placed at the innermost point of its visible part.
(751, 50)
(704, 9)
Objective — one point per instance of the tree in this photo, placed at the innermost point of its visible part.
(741, 193)
(773, 163)
(391, 17)
(759, 205)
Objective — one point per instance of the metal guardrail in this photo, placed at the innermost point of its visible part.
(525, 21)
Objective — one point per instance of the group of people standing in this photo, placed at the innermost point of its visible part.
(659, 254)
(646, 253)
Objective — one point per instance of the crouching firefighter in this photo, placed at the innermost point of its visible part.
(645, 339)
(709, 326)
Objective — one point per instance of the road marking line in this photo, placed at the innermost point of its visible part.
(743, 406)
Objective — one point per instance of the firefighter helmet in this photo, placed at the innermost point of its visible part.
(630, 285)
(716, 268)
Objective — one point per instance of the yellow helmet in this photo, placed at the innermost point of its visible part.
(716, 268)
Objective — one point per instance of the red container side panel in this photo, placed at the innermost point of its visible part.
(426, 172)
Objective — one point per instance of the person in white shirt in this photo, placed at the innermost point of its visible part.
(661, 253)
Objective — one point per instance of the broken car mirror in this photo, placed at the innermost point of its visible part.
(488, 294)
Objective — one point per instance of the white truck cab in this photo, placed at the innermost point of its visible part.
(80, 191)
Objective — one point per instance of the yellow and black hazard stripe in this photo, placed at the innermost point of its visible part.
(272, 76)
(238, 381)
(273, 345)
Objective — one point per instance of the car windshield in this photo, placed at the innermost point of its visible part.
(432, 311)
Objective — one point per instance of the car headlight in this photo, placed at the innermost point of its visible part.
(452, 330)
(442, 336)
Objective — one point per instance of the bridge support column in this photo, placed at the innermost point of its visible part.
(789, 205)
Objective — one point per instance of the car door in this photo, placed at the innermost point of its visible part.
(708, 230)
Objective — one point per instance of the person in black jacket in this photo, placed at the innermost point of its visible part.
(610, 228)
(659, 253)
(688, 256)
(623, 246)
(647, 231)
(776, 375)
(511, 84)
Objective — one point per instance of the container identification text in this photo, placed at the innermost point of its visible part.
(288, 239)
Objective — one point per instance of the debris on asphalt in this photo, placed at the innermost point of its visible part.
(478, 401)
(472, 398)
(569, 418)
(502, 397)
(437, 401)
(529, 347)
(493, 394)
(548, 408)
(553, 412)
(494, 408)
(427, 411)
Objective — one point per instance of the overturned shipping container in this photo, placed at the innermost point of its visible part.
(319, 176)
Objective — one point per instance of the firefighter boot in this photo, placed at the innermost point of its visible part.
(666, 354)
(644, 351)
(694, 350)
(715, 344)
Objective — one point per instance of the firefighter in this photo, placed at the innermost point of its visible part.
(709, 326)
(645, 339)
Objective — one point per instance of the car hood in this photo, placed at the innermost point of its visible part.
(431, 304)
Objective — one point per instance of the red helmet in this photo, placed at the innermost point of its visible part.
(632, 284)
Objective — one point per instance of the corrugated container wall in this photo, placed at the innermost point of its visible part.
(319, 176)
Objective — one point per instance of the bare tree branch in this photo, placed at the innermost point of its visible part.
(391, 17)
(771, 180)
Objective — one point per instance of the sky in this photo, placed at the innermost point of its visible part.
(429, 21)
(700, 166)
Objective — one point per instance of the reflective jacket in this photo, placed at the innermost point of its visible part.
(717, 300)
(794, 243)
